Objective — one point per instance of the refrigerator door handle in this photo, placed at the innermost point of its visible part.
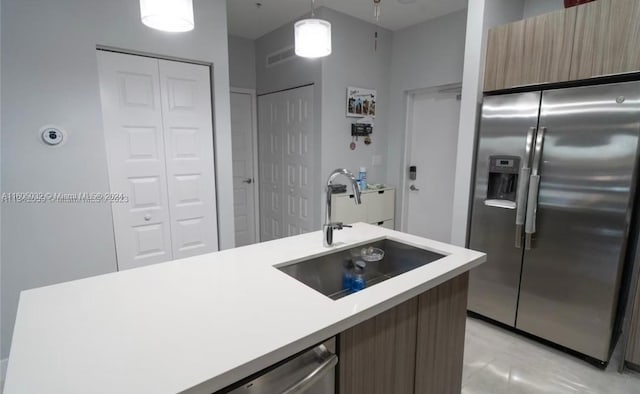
(532, 208)
(521, 201)
(523, 188)
(537, 155)
(534, 187)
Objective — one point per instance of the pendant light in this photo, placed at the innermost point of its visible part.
(312, 36)
(167, 15)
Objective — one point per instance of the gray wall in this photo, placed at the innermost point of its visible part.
(50, 76)
(297, 71)
(3, 364)
(538, 7)
(425, 55)
(481, 16)
(292, 73)
(242, 62)
(353, 62)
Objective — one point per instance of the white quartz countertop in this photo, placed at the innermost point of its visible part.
(202, 323)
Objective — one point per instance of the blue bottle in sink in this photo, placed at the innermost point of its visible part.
(358, 281)
(347, 276)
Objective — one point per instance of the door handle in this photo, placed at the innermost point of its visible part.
(329, 361)
(538, 151)
(523, 188)
(521, 202)
(532, 210)
(534, 189)
(248, 180)
(413, 188)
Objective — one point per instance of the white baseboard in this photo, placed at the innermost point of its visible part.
(3, 372)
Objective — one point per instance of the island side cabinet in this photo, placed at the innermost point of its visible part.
(415, 347)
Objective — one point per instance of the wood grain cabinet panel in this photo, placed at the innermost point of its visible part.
(589, 40)
(593, 39)
(505, 50)
(495, 39)
(548, 44)
(606, 38)
(416, 347)
(622, 48)
(633, 347)
(378, 355)
(442, 320)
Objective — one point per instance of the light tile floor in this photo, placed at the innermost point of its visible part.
(497, 361)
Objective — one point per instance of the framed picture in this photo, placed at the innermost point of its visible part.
(361, 102)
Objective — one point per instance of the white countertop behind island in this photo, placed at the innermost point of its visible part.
(201, 323)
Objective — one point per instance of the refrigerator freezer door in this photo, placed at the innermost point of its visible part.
(571, 275)
(508, 124)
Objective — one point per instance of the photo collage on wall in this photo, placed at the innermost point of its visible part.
(361, 102)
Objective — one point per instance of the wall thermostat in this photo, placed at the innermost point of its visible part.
(52, 135)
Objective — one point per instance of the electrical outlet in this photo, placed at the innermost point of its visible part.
(376, 160)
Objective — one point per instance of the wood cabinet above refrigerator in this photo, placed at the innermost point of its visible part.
(606, 39)
(531, 51)
(594, 39)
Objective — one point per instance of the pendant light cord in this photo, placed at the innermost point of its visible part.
(376, 14)
(313, 3)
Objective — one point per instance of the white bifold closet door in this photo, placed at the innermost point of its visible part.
(159, 136)
(287, 158)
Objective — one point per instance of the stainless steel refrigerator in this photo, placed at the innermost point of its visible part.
(554, 190)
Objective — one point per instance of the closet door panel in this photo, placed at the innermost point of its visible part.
(287, 161)
(132, 116)
(299, 159)
(188, 134)
(270, 158)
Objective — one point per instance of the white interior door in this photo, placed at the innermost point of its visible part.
(271, 166)
(188, 129)
(244, 186)
(432, 148)
(299, 157)
(287, 157)
(130, 93)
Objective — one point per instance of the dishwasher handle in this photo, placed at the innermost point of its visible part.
(329, 361)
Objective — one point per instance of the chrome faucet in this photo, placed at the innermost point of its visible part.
(329, 226)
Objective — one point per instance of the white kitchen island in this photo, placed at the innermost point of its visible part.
(201, 323)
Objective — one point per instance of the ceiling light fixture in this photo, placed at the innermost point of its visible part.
(312, 36)
(167, 15)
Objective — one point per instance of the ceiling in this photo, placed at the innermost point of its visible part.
(247, 20)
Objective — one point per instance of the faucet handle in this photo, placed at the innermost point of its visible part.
(337, 225)
(340, 225)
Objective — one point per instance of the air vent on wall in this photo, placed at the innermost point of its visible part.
(281, 56)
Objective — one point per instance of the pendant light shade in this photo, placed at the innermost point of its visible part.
(167, 15)
(313, 38)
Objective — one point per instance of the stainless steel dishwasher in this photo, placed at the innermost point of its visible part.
(311, 372)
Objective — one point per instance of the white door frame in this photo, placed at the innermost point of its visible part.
(256, 173)
(409, 98)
